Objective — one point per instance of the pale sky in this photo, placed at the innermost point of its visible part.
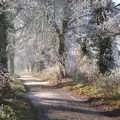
(117, 1)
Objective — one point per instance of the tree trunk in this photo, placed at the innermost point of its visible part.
(62, 48)
(62, 57)
(28, 68)
(32, 67)
(12, 65)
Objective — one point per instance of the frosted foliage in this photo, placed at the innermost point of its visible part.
(41, 27)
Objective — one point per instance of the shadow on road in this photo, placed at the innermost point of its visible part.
(62, 105)
(73, 106)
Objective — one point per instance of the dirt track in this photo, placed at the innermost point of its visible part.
(55, 104)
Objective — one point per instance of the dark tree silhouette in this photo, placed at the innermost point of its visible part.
(3, 37)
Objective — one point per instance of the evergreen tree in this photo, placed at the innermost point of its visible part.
(3, 36)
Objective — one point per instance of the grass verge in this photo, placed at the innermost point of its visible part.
(16, 106)
(103, 90)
